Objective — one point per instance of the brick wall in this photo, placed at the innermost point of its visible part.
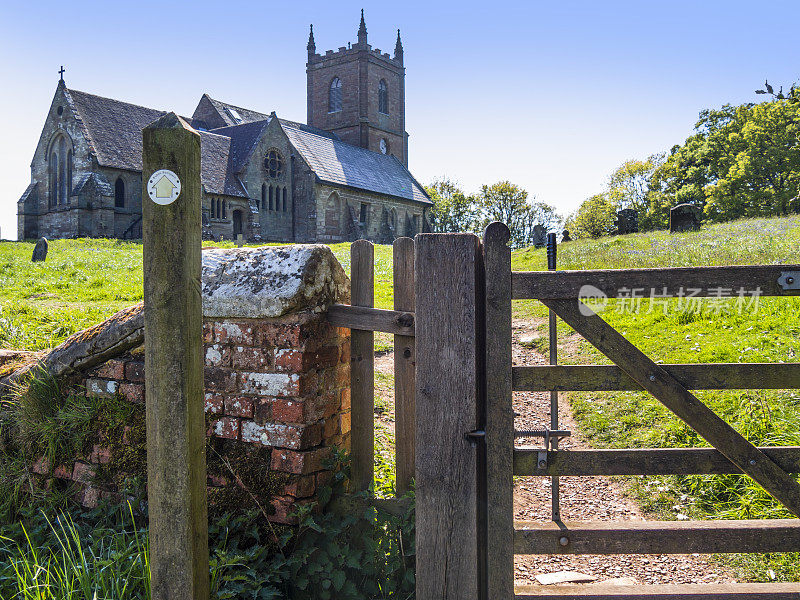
(277, 391)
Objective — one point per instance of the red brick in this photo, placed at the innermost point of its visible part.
(132, 392)
(226, 427)
(302, 487)
(218, 355)
(208, 332)
(253, 432)
(289, 360)
(344, 421)
(297, 437)
(300, 463)
(219, 379)
(284, 335)
(83, 472)
(113, 369)
(88, 497)
(288, 410)
(322, 358)
(100, 455)
(252, 359)
(344, 355)
(262, 409)
(101, 388)
(238, 406)
(345, 399)
(342, 376)
(41, 466)
(134, 371)
(233, 332)
(270, 384)
(215, 405)
(283, 508)
(331, 428)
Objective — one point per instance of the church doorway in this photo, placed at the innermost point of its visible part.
(237, 223)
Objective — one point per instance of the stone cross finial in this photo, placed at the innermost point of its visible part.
(312, 47)
(61, 72)
(362, 30)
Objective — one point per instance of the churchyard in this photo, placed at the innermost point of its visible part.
(82, 282)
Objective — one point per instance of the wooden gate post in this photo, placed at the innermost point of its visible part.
(173, 326)
(449, 407)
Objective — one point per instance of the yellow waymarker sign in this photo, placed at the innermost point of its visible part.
(164, 187)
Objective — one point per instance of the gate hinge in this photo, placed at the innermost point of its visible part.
(789, 280)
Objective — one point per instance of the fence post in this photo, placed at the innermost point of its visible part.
(449, 406)
(362, 369)
(405, 351)
(499, 414)
(173, 326)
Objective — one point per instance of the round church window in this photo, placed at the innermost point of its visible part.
(273, 163)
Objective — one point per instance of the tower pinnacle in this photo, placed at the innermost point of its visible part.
(362, 30)
(312, 47)
(398, 48)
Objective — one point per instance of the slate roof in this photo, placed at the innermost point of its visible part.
(114, 128)
(247, 115)
(216, 172)
(28, 191)
(336, 162)
(100, 182)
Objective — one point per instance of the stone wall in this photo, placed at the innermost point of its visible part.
(277, 385)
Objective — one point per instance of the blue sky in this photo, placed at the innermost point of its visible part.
(550, 95)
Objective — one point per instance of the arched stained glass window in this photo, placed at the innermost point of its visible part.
(284, 199)
(335, 95)
(383, 97)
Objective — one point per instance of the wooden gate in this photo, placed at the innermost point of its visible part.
(464, 390)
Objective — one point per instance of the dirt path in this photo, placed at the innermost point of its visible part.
(586, 499)
(582, 498)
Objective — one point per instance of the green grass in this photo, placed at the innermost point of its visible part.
(85, 281)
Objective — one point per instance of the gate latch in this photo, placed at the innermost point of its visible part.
(789, 280)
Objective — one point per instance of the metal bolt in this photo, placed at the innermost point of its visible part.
(752, 462)
(790, 280)
(564, 541)
(542, 464)
(652, 377)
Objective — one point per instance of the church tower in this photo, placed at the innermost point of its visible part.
(358, 93)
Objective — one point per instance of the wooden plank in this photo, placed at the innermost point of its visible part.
(362, 370)
(449, 311)
(173, 356)
(657, 537)
(607, 378)
(672, 282)
(371, 319)
(667, 390)
(405, 358)
(601, 591)
(499, 413)
(644, 461)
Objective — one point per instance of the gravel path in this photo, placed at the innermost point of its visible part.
(586, 499)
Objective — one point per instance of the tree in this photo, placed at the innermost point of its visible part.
(452, 211)
(743, 161)
(595, 217)
(629, 187)
(508, 203)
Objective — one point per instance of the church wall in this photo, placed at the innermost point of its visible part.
(276, 224)
(305, 206)
(331, 229)
(222, 227)
(343, 64)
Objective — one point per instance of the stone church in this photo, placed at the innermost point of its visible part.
(343, 176)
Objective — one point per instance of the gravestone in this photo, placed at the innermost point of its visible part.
(40, 251)
(685, 217)
(239, 240)
(539, 236)
(627, 221)
(565, 237)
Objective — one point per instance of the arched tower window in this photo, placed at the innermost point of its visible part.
(270, 197)
(383, 97)
(224, 209)
(335, 95)
(263, 195)
(119, 193)
(284, 199)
